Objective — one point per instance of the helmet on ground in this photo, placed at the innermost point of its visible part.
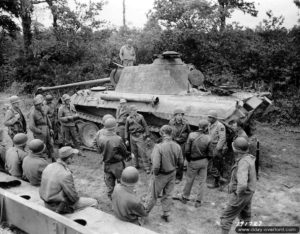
(20, 139)
(110, 124)
(38, 100)
(178, 111)
(130, 176)
(122, 100)
(240, 145)
(65, 97)
(49, 97)
(203, 124)
(213, 114)
(14, 99)
(37, 146)
(66, 152)
(166, 129)
(106, 117)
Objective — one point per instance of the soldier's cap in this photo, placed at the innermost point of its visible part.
(49, 97)
(14, 99)
(38, 100)
(213, 114)
(122, 100)
(178, 111)
(240, 145)
(66, 152)
(66, 97)
(133, 108)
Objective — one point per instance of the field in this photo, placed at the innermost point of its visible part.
(276, 201)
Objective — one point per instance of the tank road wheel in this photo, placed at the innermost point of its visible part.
(87, 132)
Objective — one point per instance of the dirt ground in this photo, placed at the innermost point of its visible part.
(276, 200)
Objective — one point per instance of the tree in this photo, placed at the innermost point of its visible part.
(6, 23)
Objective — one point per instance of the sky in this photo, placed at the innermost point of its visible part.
(136, 11)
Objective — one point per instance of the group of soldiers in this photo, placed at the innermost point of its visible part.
(124, 138)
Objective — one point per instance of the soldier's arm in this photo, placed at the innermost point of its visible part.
(32, 125)
(61, 116)
(188, 146)
(69, 189)
(180, 157)
(139, 210)
(242, 176)
(145, 125)
(126, 129)
(156, 160)
(10, 118)
(122, 149)
(121, 53)
(222, 137)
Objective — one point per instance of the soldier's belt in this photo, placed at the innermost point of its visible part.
(166, 172)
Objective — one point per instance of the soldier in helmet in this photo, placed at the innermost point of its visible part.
(217, 133)
(14, 118)
(67, 120)
(15, 155)
(125, 203)
(121, 116)
(241, 187)
(197, 153)
(137, 133)
(114, 152)
(40, 125)
(164, 159)
(34, 164)
(181, 130)
(50, 111)
(102, 130)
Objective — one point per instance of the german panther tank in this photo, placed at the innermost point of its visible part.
(156, 89)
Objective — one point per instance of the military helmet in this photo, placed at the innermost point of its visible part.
(203, 124)
(110, 124)
(65, 97)
(122, 100)
(213, 114)
(49, 97)
(39, 99)
(178, 111)
(106, 117)
(37, 146)
(66, 152)
(130, 176)
(166, 129)
(20, 139)
(14, 99)
(240, 145)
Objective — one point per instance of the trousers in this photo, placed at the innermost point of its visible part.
(69, 133)
(138, 146)
(112, 173)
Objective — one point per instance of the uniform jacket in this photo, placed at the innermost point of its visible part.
(111, 146)
(122, 114)
(37, 119)
(126, 205)
(63, 113)
(165, 156)
(50, 110)
(13, 161)
(33, 167)
(127, 53)
(243, 175)
(17, 124)
(197, 146)
(2, 156)
(181, 130)
(217, 133)
(57, 184)
(135, 124)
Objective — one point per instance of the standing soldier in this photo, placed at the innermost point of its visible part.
(113, 149)
(197, 153)
(127, 54)
(14, 118)
(241, 186)
(102, 130)
(136, 130)
(121, 116)
(165, 157)
(50, 111)
(217, 133)
(181, 130)
(40, 125)
(66, 118)
(15, 155)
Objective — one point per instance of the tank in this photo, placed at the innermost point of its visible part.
(156, 89)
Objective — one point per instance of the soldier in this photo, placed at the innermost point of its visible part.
(181, 130)
(113, 149)
(35, 163)
(50, 111)
(165, 157)
(57, 186)
(236, 125)
(197, 153)
(102, 130)
(14, 118)
(121, 116)
(241, 186)
(217, 133)
(15, 155)
(2, 151)
(40, 125)
(137, 133)
(66, 118)
(127, 54)
(125, 203)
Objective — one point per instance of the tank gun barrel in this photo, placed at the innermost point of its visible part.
(89, 82)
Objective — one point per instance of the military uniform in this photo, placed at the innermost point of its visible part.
(126, 205)
(113, 149)
(2, 156)
(127, 55)
(33, 166)
(40, 126)
(217, 133)
(197, 153)
(165, 157)
(242, 186)
(121, 116)
(57, 187)
(50, 109)
(136, 128)
(66, 118)
(13, 161)
(15, 121)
